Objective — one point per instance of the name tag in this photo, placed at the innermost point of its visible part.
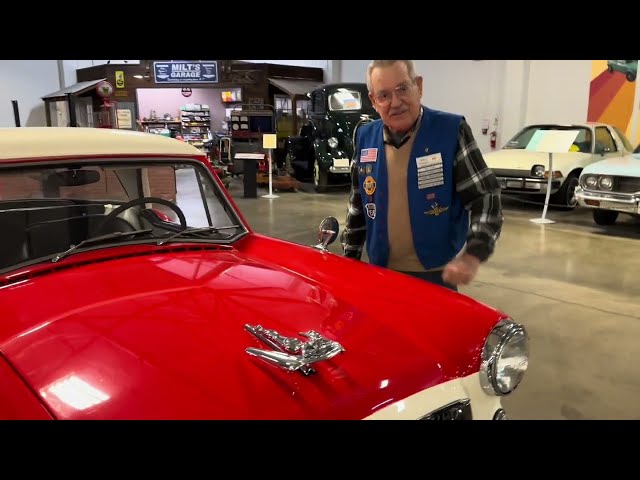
(430, 171)
(434, 160)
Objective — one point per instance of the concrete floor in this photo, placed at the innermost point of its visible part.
(572, 284)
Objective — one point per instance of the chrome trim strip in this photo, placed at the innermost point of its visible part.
(607, 196)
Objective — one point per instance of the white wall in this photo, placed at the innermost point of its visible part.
(26, 81)
(472, 89)
(558, 91)
(516, 92)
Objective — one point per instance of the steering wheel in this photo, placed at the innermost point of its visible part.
(137, 201)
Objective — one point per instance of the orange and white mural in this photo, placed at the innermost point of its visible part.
(612, 93)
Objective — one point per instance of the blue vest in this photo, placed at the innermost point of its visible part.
(439, 220)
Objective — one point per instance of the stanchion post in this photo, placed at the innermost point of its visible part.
(269, 143)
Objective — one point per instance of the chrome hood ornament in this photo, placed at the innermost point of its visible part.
(292, 353)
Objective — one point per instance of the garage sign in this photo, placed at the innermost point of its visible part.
(186, 72)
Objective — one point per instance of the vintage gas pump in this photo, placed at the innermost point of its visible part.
(107, 115)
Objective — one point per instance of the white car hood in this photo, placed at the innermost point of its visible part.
(627, 166)
(526, 159)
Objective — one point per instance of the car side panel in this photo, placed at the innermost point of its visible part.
(17, 402)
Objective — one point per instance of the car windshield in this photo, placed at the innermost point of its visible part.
(348, 99)
(45, 210)
(581, 144)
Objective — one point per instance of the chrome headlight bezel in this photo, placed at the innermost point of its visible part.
(504, 332)
(538, 171)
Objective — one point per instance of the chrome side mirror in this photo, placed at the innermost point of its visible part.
(327, 232)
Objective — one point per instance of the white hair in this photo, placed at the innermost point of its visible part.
(411, 69)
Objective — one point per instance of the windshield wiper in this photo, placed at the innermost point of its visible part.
(188, 231)
(101, 238)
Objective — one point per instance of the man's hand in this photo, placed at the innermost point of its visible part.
(461, 270)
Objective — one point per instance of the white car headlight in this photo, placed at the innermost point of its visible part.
(333, 142)
(505, 358)
(606, 183)
(538, 171)
(591, 181)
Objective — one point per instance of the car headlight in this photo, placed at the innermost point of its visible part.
(591, 181)
(505, 358)
(333, 142)
(606, 183)
(537, 171)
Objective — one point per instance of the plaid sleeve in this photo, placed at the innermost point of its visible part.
(479, 190)
(353, 235)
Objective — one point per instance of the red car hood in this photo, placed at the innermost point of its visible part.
(159, 336)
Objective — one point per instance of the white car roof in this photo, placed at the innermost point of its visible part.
(51, 142)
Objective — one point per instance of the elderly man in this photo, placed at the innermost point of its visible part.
(422, 197)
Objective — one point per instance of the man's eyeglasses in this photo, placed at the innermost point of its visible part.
(402, 91)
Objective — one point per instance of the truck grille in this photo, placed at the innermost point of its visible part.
(460, 410)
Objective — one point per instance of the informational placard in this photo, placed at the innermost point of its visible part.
(269, 140)
(552, 141)
(124, 118)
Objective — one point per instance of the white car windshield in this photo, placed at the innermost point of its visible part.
(582, 143)
(45, 210)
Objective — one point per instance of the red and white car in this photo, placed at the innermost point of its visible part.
(132, 287)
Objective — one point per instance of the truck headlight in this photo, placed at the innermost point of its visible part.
(505, 358)
(333, 142)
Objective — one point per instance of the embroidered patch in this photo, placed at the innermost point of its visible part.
(371, 210)
(369, 185)
(436, 209)
(368, 155)
(369, 169)
(361, 170)
(431, 196)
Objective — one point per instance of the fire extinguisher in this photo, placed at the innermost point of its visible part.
(492, 139)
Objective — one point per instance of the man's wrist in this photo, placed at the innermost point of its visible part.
(478, 250)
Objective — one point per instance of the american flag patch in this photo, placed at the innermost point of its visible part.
(368, 155)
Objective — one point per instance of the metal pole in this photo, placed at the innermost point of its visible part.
(16, 112)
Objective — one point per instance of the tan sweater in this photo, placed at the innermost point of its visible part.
(402, 254)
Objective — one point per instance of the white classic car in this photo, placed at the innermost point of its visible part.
(611, 186)
(522, 171)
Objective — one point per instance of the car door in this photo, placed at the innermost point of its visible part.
(605, 145)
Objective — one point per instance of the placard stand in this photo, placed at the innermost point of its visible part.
(543, 218)
(269, 143)
(550, 141)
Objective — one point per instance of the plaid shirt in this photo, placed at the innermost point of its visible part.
(476, 185)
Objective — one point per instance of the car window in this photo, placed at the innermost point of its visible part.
(581, 144)
(345, 99)
(624, 139)
(46, 209)
(318, 103)
(604, 140)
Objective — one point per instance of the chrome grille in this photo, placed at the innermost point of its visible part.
(627, 184)
(509, 172)
(460, 410)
